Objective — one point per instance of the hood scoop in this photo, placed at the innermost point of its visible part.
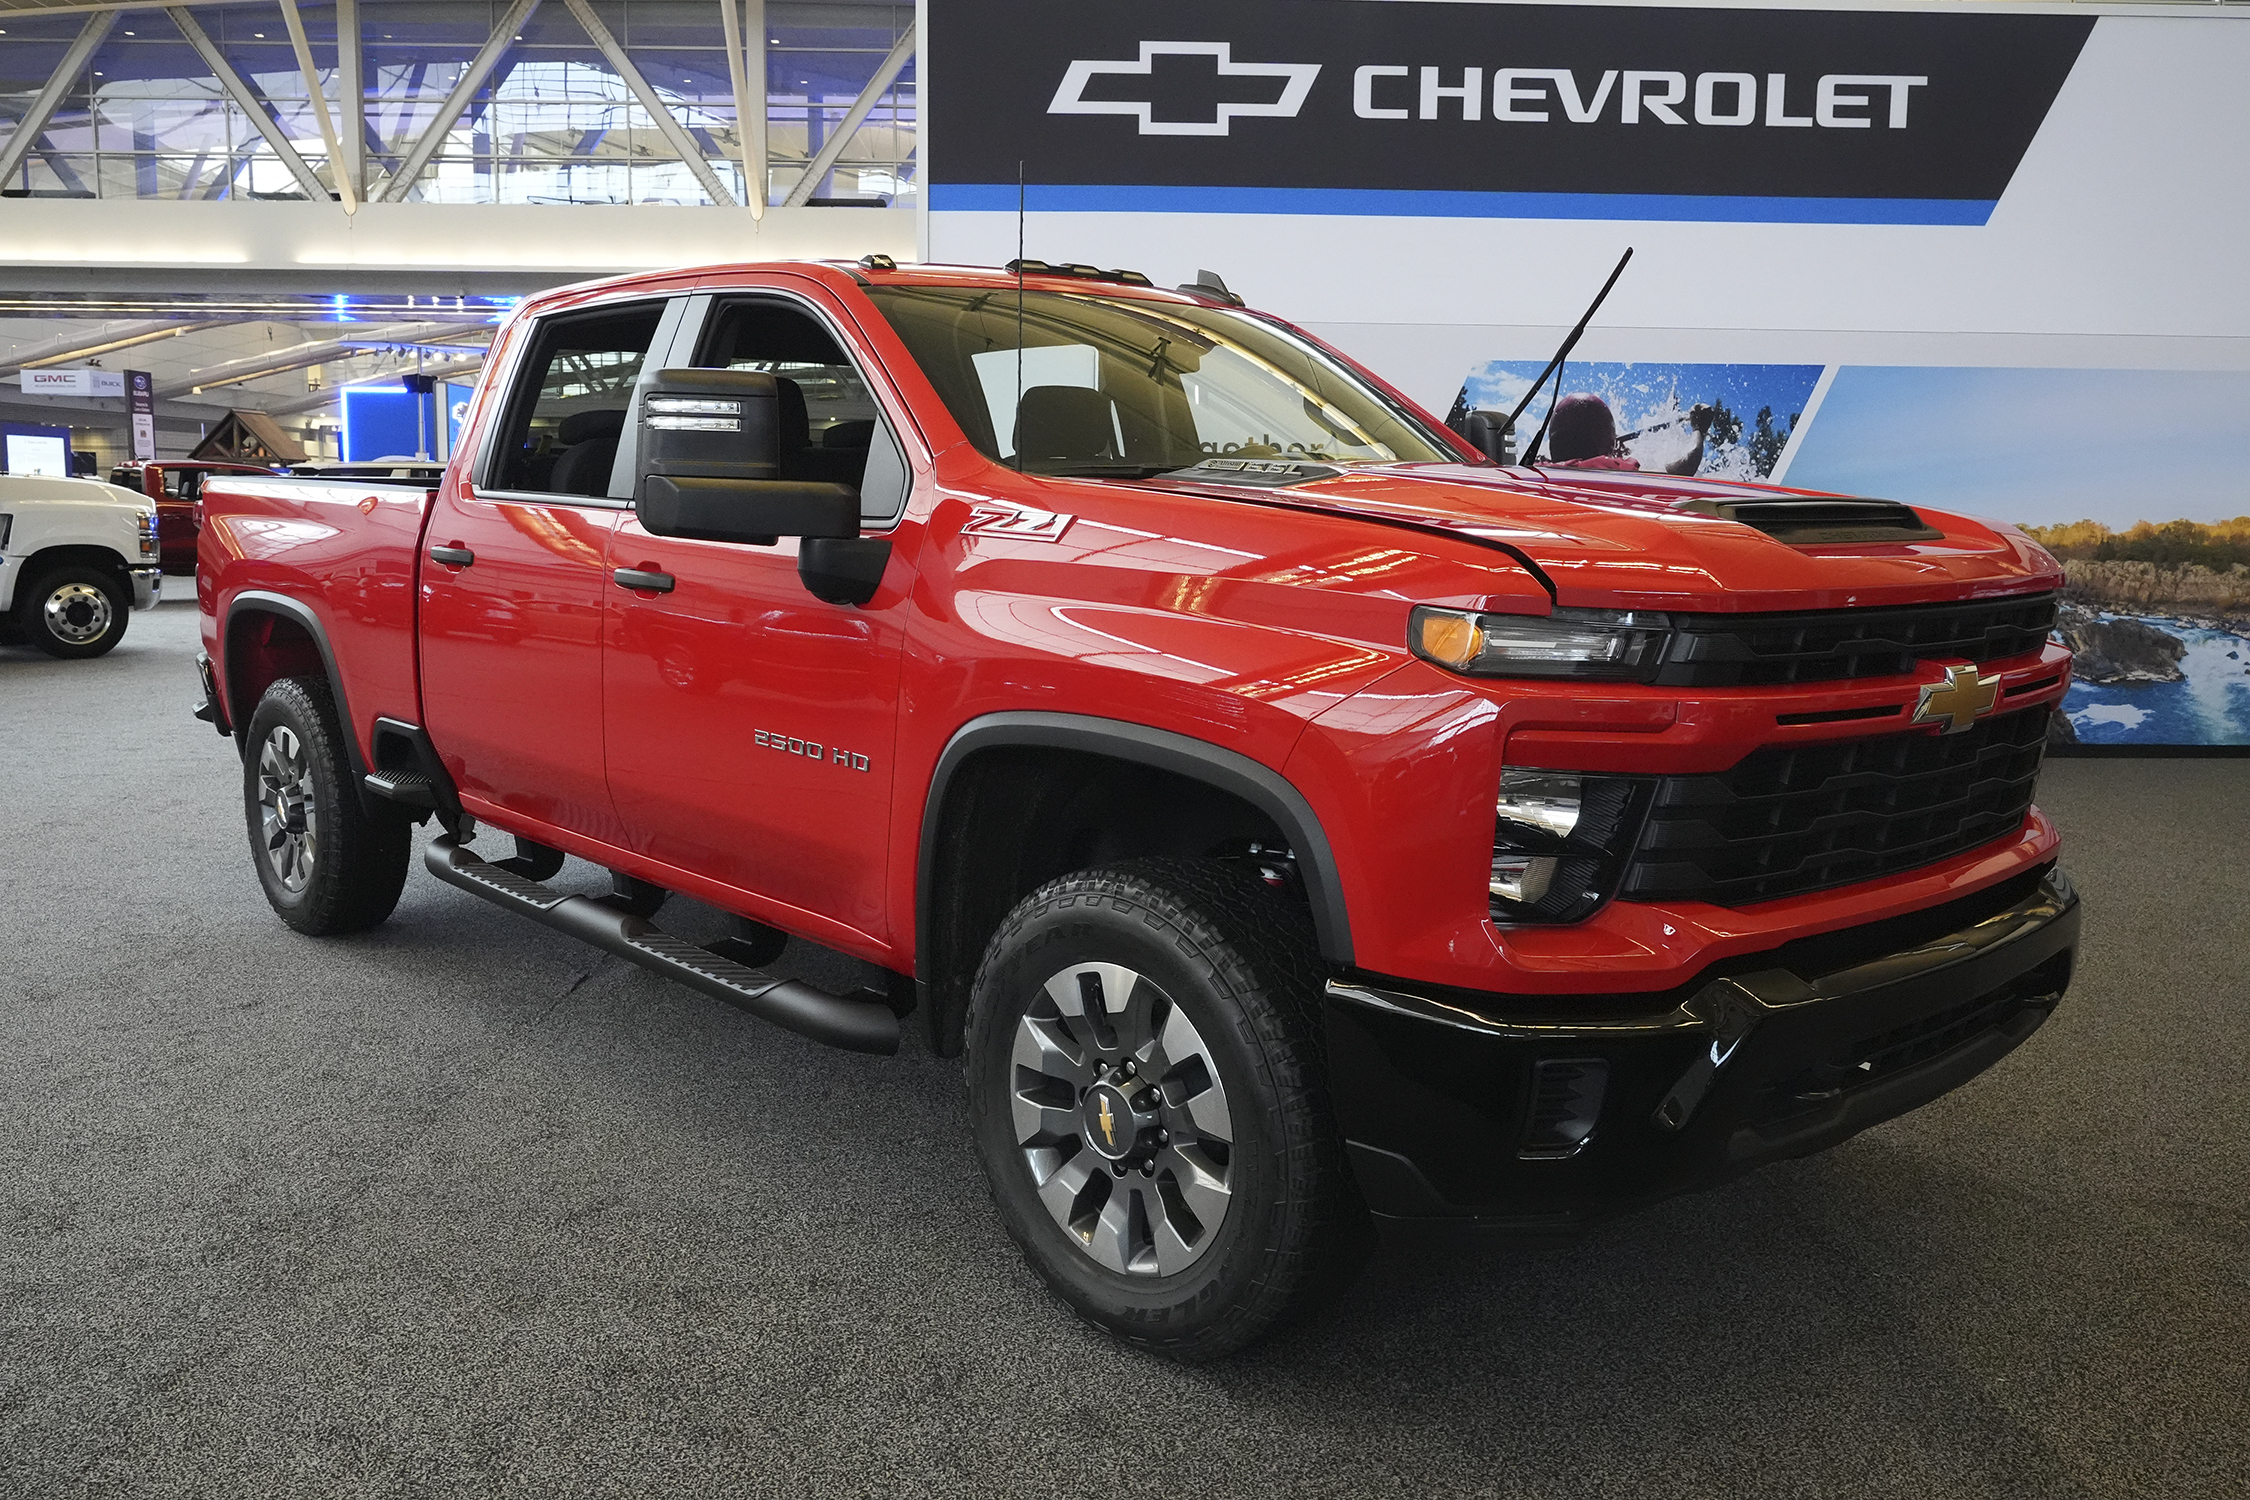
(1821, 523)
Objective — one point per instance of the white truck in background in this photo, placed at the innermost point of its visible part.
(77, 557)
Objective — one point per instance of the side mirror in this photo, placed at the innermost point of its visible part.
(710, 465)
(710, 424)
(1489, 434)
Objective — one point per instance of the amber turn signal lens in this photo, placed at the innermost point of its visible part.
(1451, 639)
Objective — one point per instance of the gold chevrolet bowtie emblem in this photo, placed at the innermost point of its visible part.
(1958, 700)
(1109, 1122)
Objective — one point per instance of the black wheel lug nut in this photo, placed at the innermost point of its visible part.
(1118, 1170)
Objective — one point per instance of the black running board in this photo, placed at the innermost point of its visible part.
(854, 1025)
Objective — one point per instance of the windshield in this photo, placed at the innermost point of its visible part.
(1113, 385)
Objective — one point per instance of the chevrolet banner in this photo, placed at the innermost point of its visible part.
(1483, 110)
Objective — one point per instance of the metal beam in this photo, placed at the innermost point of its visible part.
(318, 97)
(239, 91)
(682, 143)
(351, 102)
(833, 148)
(426, 145)
(296, 357)
(750, 104)
(74, 346)
(34, 122)
(730, 20)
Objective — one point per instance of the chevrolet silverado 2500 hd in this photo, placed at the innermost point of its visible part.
(1295, 818)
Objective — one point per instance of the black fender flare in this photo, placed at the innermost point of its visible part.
(1198, 760)
(260, 601)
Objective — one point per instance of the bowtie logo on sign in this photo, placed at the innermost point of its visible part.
(1296, 82)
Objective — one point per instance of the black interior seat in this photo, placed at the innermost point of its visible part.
(1066, 424)
(840, 457)
(589, 441)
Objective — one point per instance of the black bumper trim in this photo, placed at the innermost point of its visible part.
(1433, 1090)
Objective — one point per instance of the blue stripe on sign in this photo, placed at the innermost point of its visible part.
(1000, 197)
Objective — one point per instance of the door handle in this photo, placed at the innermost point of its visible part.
(453, 557)
(638, 578)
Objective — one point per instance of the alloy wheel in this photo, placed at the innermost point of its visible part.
(288, 823)
(78, 613)
(1121, 1119)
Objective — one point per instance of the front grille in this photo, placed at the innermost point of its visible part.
(1791, 819)
(1831, 645)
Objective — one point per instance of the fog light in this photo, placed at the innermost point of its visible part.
(1558, 838)
(1522, 877)
(1546, 801)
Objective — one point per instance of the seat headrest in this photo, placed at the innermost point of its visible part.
(792, 428)
(587, 426)
(1067, 422)
(853, 434)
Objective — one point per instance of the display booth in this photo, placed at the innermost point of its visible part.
(1979, 257)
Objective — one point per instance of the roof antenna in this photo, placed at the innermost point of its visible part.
(1018, 444)
(1555, 364)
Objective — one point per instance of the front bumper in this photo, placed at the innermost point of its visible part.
(148, 586)
(1458, 1106)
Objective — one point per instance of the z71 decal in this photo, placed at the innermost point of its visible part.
(1020, 522)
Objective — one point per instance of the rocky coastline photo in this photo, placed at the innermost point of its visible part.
(2159, 620)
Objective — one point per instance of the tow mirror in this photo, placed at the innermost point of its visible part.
(710, 467)
(1489, 434)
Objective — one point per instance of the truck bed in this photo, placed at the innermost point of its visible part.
(342, 549)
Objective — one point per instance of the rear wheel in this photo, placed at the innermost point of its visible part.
(74, 611)
(1146, 1086)
(328, 865)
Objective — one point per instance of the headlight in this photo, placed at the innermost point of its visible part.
(1567, 643)
(148, 534)
(1558, 841)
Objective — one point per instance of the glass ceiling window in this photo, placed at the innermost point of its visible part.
(553, 122)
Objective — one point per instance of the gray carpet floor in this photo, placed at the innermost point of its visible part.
(462, 1207)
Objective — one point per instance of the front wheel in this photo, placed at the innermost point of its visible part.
(328, 865)
(1146, 1087)
(74, 612)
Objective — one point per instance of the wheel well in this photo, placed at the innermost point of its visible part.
(84, 555)
(1016, 817)
(262, 648)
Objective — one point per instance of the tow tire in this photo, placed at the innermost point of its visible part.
(74, 612)
(1148, 1091)
(327, 864)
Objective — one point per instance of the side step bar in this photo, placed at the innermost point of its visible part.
(854, 1025)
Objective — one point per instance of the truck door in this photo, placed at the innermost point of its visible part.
(750, 725)
(514, 584)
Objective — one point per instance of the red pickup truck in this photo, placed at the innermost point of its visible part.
(1296, 818)
(176, 486)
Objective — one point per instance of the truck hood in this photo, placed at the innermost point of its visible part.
(1613, 539)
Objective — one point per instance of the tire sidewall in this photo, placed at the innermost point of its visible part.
(1113, 927)
(288, 705)
(32, 619)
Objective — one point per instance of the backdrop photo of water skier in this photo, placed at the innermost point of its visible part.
(1711, 421)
